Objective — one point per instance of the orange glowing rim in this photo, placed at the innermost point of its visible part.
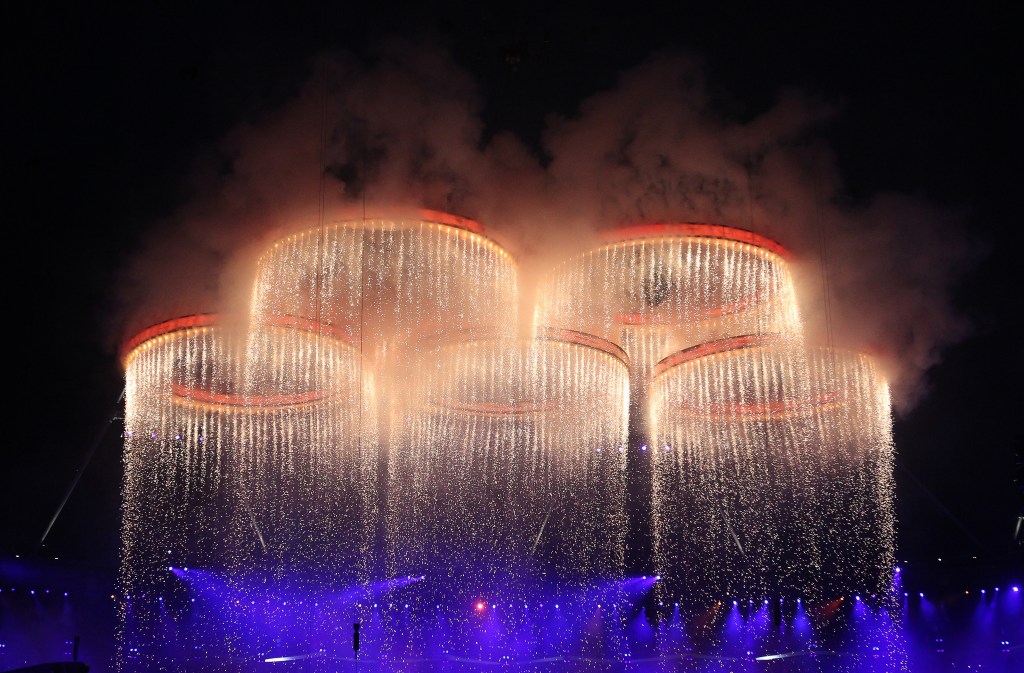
(726, 345)
(206, 398)
(523, 408)
(178, 324)
(693, 230)
(442, 338)
(577, 338)
(191, 396)
(451, 220)
(422, 216)
(655, 319)
(763, 410)
(200, 320)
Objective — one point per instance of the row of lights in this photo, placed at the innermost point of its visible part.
(31, 592)
(1015, 589)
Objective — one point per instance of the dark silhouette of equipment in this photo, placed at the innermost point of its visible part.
(355, 639)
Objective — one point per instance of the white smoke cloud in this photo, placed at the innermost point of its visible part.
(405, 130)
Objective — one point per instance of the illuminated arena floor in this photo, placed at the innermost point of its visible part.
(625, 629)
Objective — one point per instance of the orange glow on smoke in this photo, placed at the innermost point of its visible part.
(234, 399)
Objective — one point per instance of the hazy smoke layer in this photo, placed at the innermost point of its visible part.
(406, 131)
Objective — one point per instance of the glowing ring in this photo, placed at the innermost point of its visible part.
(653, 319)
(561, 335)
(769, 252)
(745, 411)
(523, 408)
(693, 230)
(166, 327)
(422, 216)
(441, 338)
(332, 331)
(725, 345)
(187, 395)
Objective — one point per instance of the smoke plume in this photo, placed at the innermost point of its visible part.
(404, 130)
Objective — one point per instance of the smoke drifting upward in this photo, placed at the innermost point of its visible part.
(404, 130)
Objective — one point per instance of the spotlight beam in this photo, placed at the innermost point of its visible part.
(782, 655)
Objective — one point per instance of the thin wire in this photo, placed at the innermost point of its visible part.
(942, 508)
(321, 206)
(85, 464)
(825, 276)
(750, 188)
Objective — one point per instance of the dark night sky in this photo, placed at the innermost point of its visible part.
(107, 110)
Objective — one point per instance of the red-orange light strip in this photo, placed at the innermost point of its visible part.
(655, 318)
(167, 327)
(693, 230)
(777, 409)
(309, 325)
(207, 319)
(495, 409)
(239, 400)
(451, 220)
(584, 339)
(720, 346)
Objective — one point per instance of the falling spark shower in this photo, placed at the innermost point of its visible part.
(226, 470)
(776, 467)
(378, 420)
(514, 464)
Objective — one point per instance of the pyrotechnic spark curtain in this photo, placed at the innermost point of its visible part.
(379, 414)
